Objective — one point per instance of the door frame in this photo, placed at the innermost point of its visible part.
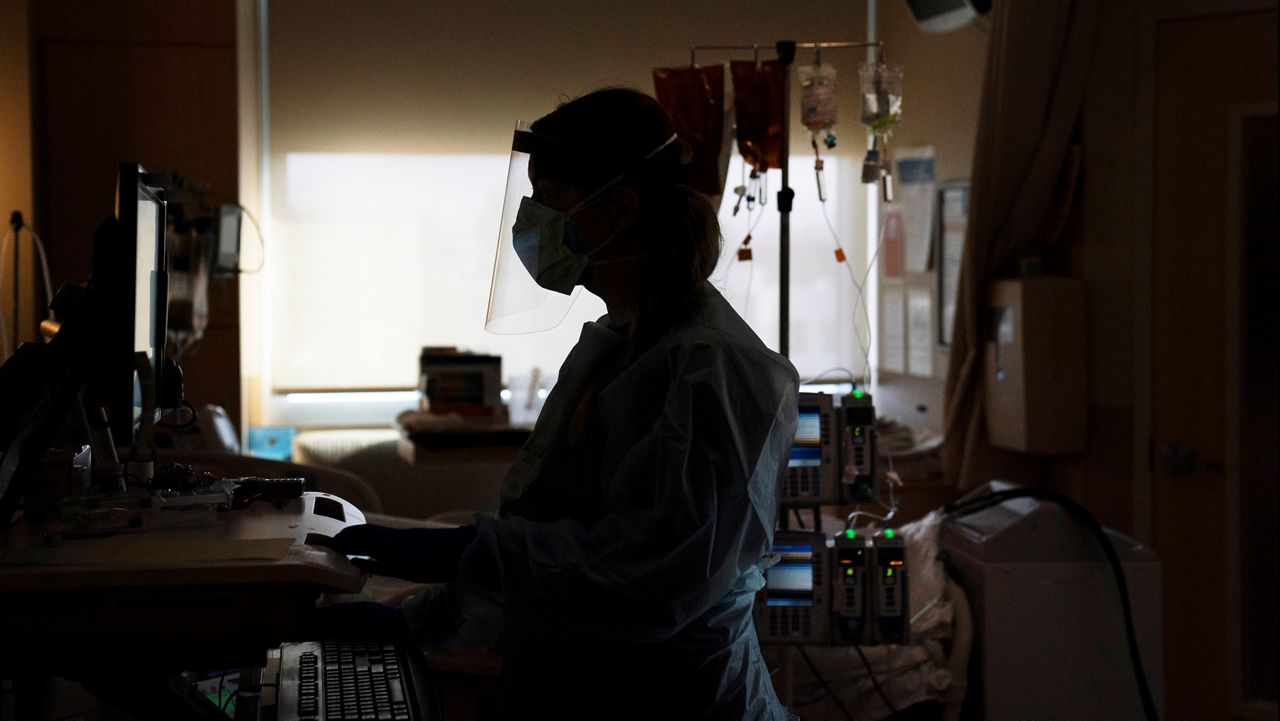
(1233, 307)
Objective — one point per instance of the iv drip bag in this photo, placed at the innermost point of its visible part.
(817, 96)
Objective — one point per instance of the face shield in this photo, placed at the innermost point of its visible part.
(517, 303)
(542, 252)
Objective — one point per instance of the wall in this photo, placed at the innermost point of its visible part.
(942, 92)
(15, 161)
(153, 83)
(483, 65)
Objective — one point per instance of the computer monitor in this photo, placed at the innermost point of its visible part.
(102, 329)
(130, 287)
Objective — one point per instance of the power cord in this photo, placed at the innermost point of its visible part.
(964, 508)
(799, 519)
(185, 425)
(262, 242)
(16, 226)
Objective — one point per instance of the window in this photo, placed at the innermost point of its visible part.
(385, 168)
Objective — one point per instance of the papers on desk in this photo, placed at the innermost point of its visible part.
(124, 551)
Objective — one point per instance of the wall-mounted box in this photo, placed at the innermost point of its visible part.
(1034, 372)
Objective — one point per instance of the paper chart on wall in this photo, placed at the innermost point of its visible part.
(891, 243)
(919, 333)
(893, 339)
(914, 176)
(955, 220)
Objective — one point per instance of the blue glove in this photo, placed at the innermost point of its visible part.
(423, 555)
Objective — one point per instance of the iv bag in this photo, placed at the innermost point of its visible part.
(817, 96)
(758, 108)
(881, 90)
(694, 100)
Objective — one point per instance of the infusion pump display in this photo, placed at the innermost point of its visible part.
(793, 606)
(811, 468)
(790, 583)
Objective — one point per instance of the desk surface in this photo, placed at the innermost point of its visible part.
(222, 590)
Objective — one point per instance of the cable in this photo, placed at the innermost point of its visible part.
(751, 227)
(799, 518)
(856, 514)
(866, 314)
(805, 655)
(262, 241)
(190, 423)
(44, 265)
(4, 324)
(858, 288)
(38, 244)
(751, 269)
(852, 377)
(964, 508)
(893, 712)
(43, 257)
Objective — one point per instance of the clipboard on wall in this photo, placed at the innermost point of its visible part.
(953, 223)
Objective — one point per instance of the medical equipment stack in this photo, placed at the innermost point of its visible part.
(849, 588)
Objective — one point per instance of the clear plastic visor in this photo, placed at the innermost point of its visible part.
(517, 304)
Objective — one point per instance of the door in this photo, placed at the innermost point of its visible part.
(1213, 345)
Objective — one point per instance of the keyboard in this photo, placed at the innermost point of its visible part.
(352, 680)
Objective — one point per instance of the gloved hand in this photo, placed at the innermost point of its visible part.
(423, 555)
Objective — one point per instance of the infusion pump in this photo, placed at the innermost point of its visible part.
(847, 590)
(833, 454)
(793, 607)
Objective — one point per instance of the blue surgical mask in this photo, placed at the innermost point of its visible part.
(551, 246)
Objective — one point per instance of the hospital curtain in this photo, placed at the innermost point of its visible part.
(1025, 170)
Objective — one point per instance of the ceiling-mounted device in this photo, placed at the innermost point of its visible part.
(941, 16)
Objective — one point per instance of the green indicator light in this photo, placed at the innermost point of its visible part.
(888, 533)
(888, 572)
(850, 533)
(848, 572)
(858, 394)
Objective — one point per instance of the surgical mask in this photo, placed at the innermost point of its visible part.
(552, 246)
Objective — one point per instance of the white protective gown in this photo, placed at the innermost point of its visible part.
(629, 563)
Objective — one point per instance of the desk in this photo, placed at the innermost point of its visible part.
(101, 607)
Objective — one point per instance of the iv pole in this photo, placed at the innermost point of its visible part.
(786, 52)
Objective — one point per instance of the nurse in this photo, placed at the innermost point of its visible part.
(637, 520)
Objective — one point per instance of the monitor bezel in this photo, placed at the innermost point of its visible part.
(130, 184)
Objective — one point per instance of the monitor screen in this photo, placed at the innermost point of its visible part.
(129, 313)
(146, 285)
(146, 236)
(806, 449)
(227, 256)
(790, 581)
